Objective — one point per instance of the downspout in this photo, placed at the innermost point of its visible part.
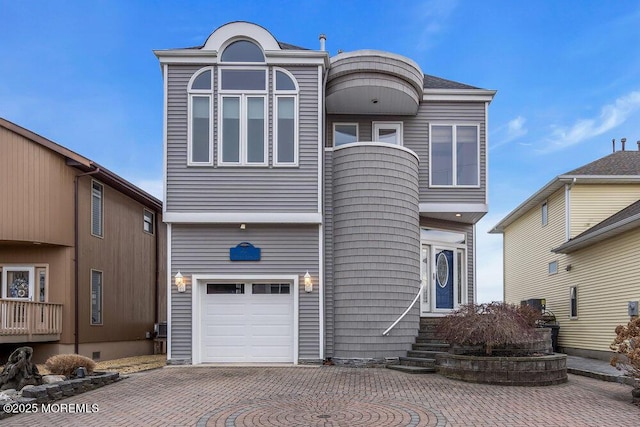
(157, 289)
(567, 209)
(76, 292)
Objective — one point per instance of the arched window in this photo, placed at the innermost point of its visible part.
(285, 151)
(242, 127)
(200, 150)
(242, 51)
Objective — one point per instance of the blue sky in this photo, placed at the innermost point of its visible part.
(567, 73)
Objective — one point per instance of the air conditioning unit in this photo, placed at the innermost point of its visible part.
(160, 329)
(536, 303)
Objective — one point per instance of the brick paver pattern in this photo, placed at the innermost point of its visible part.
(335, 396)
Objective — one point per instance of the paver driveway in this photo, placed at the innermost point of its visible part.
(334, 396)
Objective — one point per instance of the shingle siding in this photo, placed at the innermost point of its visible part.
(376, 244)
(286, 250)
(248, 189)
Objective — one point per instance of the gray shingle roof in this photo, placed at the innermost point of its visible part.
(433, 82)
(287, 46)
(618, 163)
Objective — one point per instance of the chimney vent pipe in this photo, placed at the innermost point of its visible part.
(613, 143)
(323, 39)
(623, 141)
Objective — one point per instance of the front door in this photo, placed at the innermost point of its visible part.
(444, 280)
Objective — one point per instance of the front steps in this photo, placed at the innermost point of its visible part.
(422, 358)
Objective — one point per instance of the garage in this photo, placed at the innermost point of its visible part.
(247, 322)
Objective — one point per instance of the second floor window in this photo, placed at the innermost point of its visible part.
(454, 155)
(96, 209)
(147, 218)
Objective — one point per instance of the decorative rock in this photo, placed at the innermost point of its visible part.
(8, 394)
(50, 379)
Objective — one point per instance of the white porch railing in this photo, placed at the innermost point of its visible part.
(393, 325)
(29, 321)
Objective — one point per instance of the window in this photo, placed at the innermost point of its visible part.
(225, 288)
(148, 221)
(18, 282)
(278, 288)
(454, 155)
(344, 133)
(96, 208)
(286, 126)
(389, 132)
(242, 51)
(96, 297)
(200, 135)
(553, 267)
(545, 214)
(573, 302)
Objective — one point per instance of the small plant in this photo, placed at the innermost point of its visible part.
(67, 364)
(490, 325)
(627, 348)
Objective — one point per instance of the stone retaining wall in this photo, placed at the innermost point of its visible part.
(48, 393)
(523, 371)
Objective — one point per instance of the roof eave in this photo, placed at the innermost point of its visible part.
(611, 230)
(458, 95)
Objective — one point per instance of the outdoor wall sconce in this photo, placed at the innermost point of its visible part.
(308, 285)
(180, 282)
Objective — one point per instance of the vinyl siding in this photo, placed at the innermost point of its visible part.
(607, 276)
(204, 249)
(328, 253)
(461, 228)
(247, 189)
(376, 250)
(591, 204)
(416, 138)
(527, 253)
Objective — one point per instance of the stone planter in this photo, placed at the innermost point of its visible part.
(522, 371)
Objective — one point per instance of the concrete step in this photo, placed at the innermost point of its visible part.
(424, 354)
(412, 369)
(430, 346)
(418, 361)
(434, 343)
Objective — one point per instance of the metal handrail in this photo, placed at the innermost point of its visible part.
(386, 332)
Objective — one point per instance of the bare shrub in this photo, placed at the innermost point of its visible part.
(627, 348)
(67, 364)
(490, 325)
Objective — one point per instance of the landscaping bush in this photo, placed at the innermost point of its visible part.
(490, 326)
(67, 364)
(627, 348)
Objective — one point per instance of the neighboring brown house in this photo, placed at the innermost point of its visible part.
(82, 253)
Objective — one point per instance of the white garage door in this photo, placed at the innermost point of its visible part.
(247, 322)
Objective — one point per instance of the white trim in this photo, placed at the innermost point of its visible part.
(229, 32)
(453, 207)
(31, 269)
(284, 57)
(239, 38)
(321, 139)
(168, 284)
(190, 161)
(246, 217)
(197, 290)
(486, 154)
(333, 135)
(195, 75)
(454, 143)
(165, 76)
(475, 268)
(296, 114)
(464, 95)
(377, 144)
(291, 76)
(243, 119)
(376, 126)
(321, 292)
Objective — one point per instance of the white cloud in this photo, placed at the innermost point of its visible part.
(433, 17)
(611, 116)
(513, 130)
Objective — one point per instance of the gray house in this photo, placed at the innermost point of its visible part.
(312, 200)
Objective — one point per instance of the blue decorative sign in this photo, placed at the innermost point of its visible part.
(244, 251)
